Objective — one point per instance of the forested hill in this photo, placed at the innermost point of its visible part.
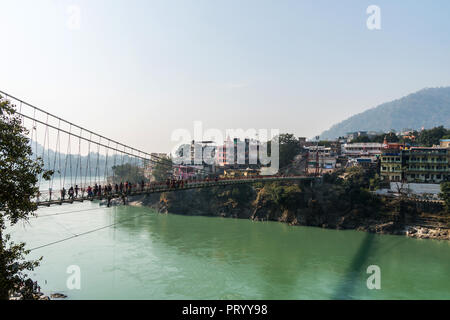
(426, 108)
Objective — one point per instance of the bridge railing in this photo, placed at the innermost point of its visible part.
(156, 187)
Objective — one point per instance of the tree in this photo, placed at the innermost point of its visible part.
(289, 148)
(361, 139)
(445, 194)
(18, 186)
(162, 169)
(428, 138)
(128, 172)
(390, 137)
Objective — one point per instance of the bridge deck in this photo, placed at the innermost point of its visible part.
(187, 185)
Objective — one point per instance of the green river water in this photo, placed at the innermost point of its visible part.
(146, 255)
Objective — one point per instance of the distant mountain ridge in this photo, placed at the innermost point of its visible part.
(426, 108)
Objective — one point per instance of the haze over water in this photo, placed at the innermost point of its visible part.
(147, 255)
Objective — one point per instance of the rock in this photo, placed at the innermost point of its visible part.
(58, 296)
(388, 227)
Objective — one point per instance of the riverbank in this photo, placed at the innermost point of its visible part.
(30, 290)
(324, 206)
(146, 255)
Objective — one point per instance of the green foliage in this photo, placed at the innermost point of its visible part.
(362, 139)
(128, 172)
(18, 185)
(390, 137)
(375, 182)
(352, 192)
(428, 138)
(283, 195)
(426, 108)
(425, 138)
(332, 178)
(162, 169)
(357, 177)
(289, 148)
(325, 143)
(445, 195)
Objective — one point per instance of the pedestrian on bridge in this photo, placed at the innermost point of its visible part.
(63, 193)
(71, 193)
(76, 191)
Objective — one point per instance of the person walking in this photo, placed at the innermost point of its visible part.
(71, 193)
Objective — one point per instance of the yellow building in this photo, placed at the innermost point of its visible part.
(391, 166)
(415, 165)
(445, 143)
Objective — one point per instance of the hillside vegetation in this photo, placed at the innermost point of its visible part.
(426, 108)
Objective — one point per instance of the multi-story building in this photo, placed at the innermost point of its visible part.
(360, 150)
(238, 154)
(321, 157)
(353, 135)
(425, 165)
(391, 162)
(415, 165)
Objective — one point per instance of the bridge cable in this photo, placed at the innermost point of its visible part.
(78, 161)
(85, 233)
(43, 157)
(106, 165)
(69, 212)
(67, 156)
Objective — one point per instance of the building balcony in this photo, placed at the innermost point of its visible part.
(428, 161)
(427, 170)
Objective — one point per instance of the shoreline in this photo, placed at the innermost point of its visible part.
(410, 230)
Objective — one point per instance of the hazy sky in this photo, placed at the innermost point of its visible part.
(137, 70)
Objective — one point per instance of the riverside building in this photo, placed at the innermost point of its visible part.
(415, 164)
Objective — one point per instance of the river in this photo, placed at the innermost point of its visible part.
(140, 254)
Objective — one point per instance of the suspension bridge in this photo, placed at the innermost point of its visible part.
(90, 166)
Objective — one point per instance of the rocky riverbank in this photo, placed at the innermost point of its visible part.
(30, 290)
(322, 206)
(37, 295)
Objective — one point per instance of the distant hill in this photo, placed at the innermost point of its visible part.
(426, 108)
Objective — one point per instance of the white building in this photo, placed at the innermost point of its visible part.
(358, 150)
